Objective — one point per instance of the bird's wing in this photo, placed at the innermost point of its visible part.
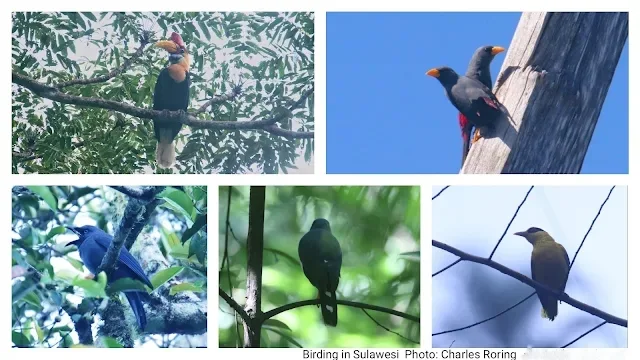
(568, 262)
(125, 258)
(321, 258)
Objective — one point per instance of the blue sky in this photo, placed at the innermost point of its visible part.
(469, 292)
(385, 116)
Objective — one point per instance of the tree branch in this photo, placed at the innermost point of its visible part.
(52, 93)
(553, 84)
(236, 307)
(271, 313)
(255, 245)
(534, 284)
(144, 40)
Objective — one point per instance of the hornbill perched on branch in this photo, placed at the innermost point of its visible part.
(170, 94)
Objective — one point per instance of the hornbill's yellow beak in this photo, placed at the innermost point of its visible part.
(168, 45)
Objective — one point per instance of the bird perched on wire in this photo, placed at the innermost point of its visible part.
(479, 69)
(472, 98)
(549, 266)
(321, 259)
(92, 245)
(171, 93)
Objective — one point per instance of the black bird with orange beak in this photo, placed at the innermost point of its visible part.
(171, 94)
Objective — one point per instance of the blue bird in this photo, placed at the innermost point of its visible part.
(92, 245)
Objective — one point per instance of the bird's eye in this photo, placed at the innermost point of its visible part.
(85, 231)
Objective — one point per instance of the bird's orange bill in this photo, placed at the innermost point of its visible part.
(497, 50)
(433, 72)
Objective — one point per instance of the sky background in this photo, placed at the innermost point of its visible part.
(470, 292)
(385, 116)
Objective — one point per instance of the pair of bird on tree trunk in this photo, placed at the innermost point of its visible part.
(471, 94)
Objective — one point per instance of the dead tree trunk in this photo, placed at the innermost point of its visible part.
(553, 84)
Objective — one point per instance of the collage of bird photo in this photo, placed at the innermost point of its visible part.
(505, 136)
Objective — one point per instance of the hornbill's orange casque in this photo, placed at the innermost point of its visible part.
(479, 69)
(171, 94)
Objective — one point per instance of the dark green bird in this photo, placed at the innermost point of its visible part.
(321, 259)
(549, 266)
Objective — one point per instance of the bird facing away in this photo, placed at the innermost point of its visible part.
(321, 259)
(472, 99)
(171, 93)
(549, 266)
(92, 245)
(479, 69)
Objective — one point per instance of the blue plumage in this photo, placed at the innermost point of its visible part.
(92, 245)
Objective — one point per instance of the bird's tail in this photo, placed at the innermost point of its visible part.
(135, 300)
(329, 307)
(549, 307)
(165, 150)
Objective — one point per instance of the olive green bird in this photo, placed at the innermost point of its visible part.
(321, 259)
(549, 266)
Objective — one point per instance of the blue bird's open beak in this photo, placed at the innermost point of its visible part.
(74, 242)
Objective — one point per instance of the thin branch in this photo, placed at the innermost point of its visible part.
(440, 192)
(485, 320)
(389, 330)
(122, 232)
(289, 134)
(236, 307)
(226, 258)
(534, 284)
(585, 334)
(218, 99)
(591, 227)
(52, 93)
(113, 73)
(446, 267)
(510, 222)
(271, 313)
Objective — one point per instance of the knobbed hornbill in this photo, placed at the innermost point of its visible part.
(92, 245)
(321, 259)
(549, 266)
(170, 94)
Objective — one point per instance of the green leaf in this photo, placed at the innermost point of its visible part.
(20, 339)
(277, 323)
(92, 288)
(45, 193)
(33, 299)
(165, 275)
(125, 284)
(284, 336)
(201, 221)
(39, 331)
(179, 201)
(110, 342)
(198, 247)
(184, 287)
(56, 231)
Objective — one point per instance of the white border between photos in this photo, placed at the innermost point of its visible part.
(426, 181)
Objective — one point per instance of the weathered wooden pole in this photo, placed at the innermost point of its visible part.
(553, 83)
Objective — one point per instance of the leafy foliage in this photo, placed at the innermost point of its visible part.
(270, 54)
(379, 232)
(50, 293)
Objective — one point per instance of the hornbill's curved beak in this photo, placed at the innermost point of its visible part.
(168, 45)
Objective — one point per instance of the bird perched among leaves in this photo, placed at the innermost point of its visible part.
(478, 69)
(549, 266)
(171, 94)
(473, 99)
(92, 245)
(321, 259)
